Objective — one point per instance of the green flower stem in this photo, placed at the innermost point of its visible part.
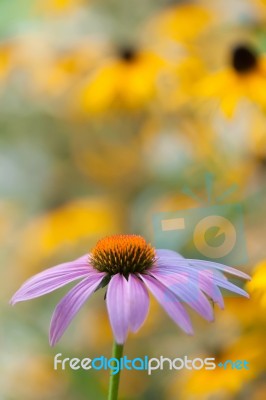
(114, 379)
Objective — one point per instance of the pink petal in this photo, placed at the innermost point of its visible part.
(173, 268)
(70, 304)
(204, 281)
(169, 302)
(173, 259)
(184, 288)
(223, 283)
(208, 286)
(213, 265)
(168, 253)
(138, 302)
(53, 278)
(208, 275)
(118, 304)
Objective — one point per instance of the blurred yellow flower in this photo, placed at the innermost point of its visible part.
(6, 57)
(260, 2)
(248, 314)
(223, 381)
(245, 78)
(178, 85)
(257, 286)
(181, 23)
(188, 72)
(127, 81)
(64, 228)
(57, 6)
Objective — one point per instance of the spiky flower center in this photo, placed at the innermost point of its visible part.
(122, 254)
(244, 59)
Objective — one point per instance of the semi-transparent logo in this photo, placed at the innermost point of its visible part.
(212, 231)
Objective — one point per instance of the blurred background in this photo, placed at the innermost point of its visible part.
(107, 111)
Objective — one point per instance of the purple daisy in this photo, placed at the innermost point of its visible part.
(130, 267)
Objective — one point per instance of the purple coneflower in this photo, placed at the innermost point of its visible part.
(130, 267)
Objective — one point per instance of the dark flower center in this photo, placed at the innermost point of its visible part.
(244, 59)
(122, 254)
(127, 54)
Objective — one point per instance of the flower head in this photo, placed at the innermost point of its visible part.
(130, 267)
(243, 78)
(122, 254)
(127, 80)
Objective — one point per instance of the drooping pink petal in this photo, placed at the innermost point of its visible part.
(169, 302)
(184, 288)
(138, 302)
(207, 274)
(173, 259)
(207, 285)
(217, 266)
(205, 282)
(53, 278)
(193, 273)
(118, 304)
(210, 279)
(224, 283)
(70, 304)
